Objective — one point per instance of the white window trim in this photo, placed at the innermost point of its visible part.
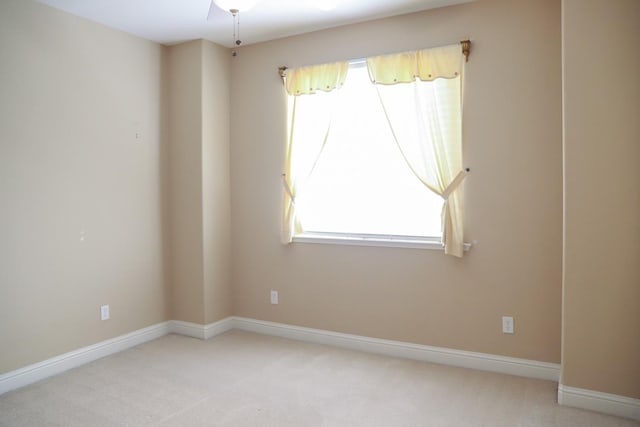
(380, 240)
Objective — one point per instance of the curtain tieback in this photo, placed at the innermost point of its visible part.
(453, 185)
(287, 188)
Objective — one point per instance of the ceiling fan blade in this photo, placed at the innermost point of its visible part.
(211, 7)
(215, 12)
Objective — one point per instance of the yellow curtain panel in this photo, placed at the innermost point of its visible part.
(425, 65)
(421, 93)
(299, 164)
(308, 80)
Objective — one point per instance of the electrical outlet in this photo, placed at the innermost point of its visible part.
(507, 324)
(274, 297)
(104, 312)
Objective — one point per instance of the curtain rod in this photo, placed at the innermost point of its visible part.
(465, 44)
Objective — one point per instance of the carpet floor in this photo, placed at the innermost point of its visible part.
(245, 379)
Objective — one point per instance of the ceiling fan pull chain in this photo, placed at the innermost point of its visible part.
(236, 30)
(238, 42)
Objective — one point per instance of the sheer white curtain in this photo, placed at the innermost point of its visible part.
(421, 93)
(312, 95)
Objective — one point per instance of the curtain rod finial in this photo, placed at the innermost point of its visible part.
(466, 48)
(283, 72)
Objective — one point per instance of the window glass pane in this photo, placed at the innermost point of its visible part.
(361, 184)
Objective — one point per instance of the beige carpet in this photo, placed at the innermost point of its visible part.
(244, 379)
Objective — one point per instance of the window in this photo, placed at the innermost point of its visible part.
(361, 184)
(374, 150)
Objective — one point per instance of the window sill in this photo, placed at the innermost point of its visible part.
(373, 240)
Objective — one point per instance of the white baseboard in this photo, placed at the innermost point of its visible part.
(186, 328)
(611, 404)
(55, 365)
(445, 356)
(586, 399)
(64, 362)
(204, 332)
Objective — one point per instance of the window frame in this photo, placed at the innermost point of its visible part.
(446, 69)
(369, 239)
(374, 240)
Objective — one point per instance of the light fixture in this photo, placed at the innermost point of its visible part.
(237, 5)
(234, 7)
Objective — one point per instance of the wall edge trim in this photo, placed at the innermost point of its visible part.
(612, 404)
(202, 332)
(445, 356)
(61, 363)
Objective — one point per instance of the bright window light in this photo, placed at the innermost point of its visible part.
(361, 183)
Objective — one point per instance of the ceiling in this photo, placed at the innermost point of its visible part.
(175, 21)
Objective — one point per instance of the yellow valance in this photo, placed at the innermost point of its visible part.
(428, 64)
(308, 80)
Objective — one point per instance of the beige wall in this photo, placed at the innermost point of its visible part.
(216, 75)
(199, 74)
(185, 152)
(601, 309)
(76, 94)
(512, 143)
(73, 96)
(154, 210)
